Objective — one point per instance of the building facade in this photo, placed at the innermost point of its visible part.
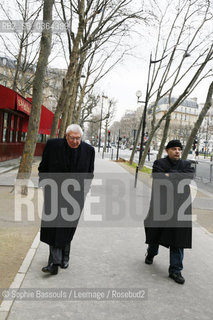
(205, 133)
(181, 123)
(52, 84)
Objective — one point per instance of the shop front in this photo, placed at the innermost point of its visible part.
(14, 117)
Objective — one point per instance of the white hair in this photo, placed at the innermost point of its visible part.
(74, 128)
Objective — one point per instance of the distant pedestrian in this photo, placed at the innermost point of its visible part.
(149, 154)
(162, 224)
(197, 154)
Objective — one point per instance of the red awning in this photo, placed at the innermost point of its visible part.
(46, 120)
(23, 105)
(9, 99)
(45, 124)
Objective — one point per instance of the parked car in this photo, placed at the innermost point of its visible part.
(137, 148)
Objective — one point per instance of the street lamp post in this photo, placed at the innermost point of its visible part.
(119, 133)
(138, 94)
(99, 141)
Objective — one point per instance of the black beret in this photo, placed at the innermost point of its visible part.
(174, 143)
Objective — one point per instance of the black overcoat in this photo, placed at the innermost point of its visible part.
(170, 194)
(57, 164)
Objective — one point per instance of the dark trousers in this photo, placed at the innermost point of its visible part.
(59, 255)
(176, 257)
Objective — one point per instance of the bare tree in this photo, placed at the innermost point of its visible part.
(45, 47)
(92, 129)
(199, 121)
(68, 85)
(96, 20)
(170, 68)
(98, 62)
(23, 48)
(92, 101)
(109, 115)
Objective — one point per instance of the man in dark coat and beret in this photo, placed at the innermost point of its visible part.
(65, 173)
(168, 222)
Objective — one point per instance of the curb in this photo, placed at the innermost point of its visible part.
(7, 304)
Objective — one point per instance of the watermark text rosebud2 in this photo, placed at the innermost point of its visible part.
(104, 201)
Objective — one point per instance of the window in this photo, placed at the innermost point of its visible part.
(5, 128)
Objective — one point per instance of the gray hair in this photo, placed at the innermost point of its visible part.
(74, 128)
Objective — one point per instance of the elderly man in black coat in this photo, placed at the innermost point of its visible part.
(168, 222)
(65, 173)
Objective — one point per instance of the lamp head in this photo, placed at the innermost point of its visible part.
(138, 94)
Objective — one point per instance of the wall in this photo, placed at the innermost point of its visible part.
(12, 150)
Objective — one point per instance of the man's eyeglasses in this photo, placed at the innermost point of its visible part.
(73, 138)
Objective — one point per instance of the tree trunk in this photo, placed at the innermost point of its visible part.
(145, 152)
(74, 57)
(18, 64)
(58, 112)
(45, 48)
(64, 116)
(164, 137)
(80, 103)
(72, 105)
(199, 121)
(136, 140)
(82, 93)
(105, 135)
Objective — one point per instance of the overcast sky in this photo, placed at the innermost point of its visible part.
(130, 75)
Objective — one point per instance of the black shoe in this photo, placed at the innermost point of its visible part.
(177, 277)
(65, 264)
(52, 269)
(149, 259)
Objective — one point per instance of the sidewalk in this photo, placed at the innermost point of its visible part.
(113, 258)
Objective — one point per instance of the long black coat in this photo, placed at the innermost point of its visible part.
(170, 195)
(60, 163)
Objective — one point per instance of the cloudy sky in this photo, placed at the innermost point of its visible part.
(130, 74)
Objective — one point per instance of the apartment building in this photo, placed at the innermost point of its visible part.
(205, 133)
(182, 119)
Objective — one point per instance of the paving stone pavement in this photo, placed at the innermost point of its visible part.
(110, 260)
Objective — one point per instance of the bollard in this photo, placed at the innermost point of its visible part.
(210, 172)
(103, 155)
(112, 154)
(136, 176)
